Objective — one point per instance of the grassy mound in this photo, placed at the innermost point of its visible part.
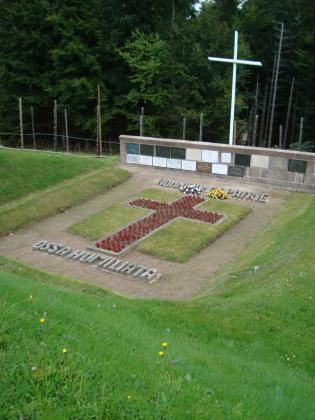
(243, 351)
(24, 172)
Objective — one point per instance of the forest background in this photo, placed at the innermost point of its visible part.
(154, 54)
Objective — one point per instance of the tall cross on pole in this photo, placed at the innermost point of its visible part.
(234, 61)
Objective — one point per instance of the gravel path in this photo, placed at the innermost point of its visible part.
(179, 281)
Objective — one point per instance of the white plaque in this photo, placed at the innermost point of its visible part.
(174, 163)
(193, 154)
(219, 169)
(210, 156)
(226, 157)
(159, 161)
(145, 160)
(259, 161)
(132, 158)
(188, 165)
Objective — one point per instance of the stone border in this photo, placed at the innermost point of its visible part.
(107, 263)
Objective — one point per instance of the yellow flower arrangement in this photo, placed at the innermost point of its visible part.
(218, 194)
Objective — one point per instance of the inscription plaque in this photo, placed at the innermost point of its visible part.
(236, 171)
(242, 160)
(297, 166)
(278, 164)
(204, 167)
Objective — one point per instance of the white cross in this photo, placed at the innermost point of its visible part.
(234, 61)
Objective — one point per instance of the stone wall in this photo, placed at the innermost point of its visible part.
(290, 169)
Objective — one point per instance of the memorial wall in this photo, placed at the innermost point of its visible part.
(290, 169)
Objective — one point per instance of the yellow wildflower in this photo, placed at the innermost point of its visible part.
(42, 321)
(64, 350)
(161, 353)
(129, 397)
(164, 344)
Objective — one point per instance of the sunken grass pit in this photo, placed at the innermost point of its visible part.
(243, 350)
(178, 240)
(43, 184)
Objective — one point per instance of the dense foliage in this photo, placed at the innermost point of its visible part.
(153, 54)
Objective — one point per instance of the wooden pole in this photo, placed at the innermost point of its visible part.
(255, 130)
(294, 114)
(234, 133)
(301, 132)
(184, 128)
(200, 126)
(66, 129)
(275, 87)
(280, 136)
(99, 119)
(55, 125)
(21, 123)
(97, 132)
(33, 127)
(288, 114)
(270, 99)
(262, 122)
(142, 121)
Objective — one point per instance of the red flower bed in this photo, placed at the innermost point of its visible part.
(163, 213)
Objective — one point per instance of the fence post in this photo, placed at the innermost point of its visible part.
(33, 127)
(200, 126)
(21, 123)
(66, 129)
(301, 133)
(142, 122)
(55, 125)
(184, 128)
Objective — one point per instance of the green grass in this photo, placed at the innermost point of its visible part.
(182, 238)
(111, 219)
(244, 351)
(105, 222)
(59, 197)
(24, 172)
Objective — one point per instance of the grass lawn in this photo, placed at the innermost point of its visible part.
(245, 350)
(60, 196)
(24, 172)
(111, 219)
(182, 238)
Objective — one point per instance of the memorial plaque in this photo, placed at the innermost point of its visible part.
(146, 160)
(178, 153)
(174, 163)
(259, 161)
(162, 151)
(146, 150)
(159, 161)
(204, 167)
(219, 169)
(193, 154)
(226, 157)
(132, 158)
(242, 160)
(297, 166)
(210, 156)
(278, 164)
(236, 171)
(188, 165)
(132, 149)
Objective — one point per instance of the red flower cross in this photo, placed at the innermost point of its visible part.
(164, 212)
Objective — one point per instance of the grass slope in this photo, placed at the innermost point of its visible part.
(183, 238)
(47, 202)
(24, 172)
(245, 351)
